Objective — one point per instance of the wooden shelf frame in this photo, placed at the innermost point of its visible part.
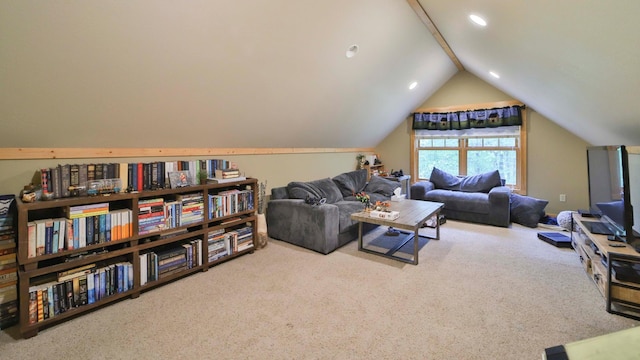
(99, 153)
(125, 249)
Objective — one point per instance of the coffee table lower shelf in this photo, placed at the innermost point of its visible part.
(403, 238)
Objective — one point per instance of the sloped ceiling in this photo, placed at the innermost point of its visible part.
(273, 73)
(573, 61)
(225, 73)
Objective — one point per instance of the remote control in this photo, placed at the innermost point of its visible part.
(617, 245)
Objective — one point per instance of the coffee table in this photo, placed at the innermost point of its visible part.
(413, 214)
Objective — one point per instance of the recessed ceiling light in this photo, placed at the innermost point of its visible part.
(478, 20)
(351, 51)
(494, 74)
(413, 85)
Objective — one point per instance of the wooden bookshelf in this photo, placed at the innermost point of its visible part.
(123, 256)
(8, 262)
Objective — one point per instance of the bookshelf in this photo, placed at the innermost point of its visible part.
(139, 241)
(8, 264)
(377, 169)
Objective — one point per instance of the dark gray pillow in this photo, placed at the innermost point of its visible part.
(381, 186)
(481, 183)
(323, 188)
(351, 182)
(526, 210)
(444, 180)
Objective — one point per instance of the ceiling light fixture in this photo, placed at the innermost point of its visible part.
(494, 74)
(413, 85)
(352, 50)
(478, 20)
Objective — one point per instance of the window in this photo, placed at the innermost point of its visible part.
(471, 152)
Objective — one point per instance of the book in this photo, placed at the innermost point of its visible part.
(33, 305)
(40, 236)
(225, 180)
(69, 175)
(219, 173)
(31, 239)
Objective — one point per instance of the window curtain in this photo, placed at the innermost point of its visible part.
(469, 119)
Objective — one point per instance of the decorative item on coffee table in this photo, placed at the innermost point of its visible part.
(365, 199)
(381, 210)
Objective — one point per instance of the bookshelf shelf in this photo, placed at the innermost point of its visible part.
(100, 273)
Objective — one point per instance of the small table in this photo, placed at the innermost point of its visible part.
(413, 214)
(404, 183)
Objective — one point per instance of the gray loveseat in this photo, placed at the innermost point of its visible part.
(328, 226)
(479, 198)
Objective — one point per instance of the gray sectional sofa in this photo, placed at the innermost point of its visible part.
(294, 215)
(479, 198)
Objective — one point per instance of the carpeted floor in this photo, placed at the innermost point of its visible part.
(481, 292)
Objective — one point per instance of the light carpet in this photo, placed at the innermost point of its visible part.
(481, 292)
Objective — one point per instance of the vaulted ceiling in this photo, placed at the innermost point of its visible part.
(274, 73)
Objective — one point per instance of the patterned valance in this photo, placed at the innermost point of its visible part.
(469, 119)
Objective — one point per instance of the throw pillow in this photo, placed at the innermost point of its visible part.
(564, 220)
(481, 183)
(444, 180)
(351, 182)
(381, 186)
(526, 210)
(323, 188)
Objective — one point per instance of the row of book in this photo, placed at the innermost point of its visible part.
(156, 265)
(62, 179)
(78, 287)
(221, 243)
(230, 202)
(53, 235)
(8, 264)
(159, 214)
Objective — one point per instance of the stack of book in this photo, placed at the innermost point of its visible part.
(242, 239)
(191, 208)
(151, 215)
(162, 263)
(81, 228)
(77, 287)
(8, 267)
(230, 202)
(225, 176)
(171, 261)
(72, 179)
(219, 244)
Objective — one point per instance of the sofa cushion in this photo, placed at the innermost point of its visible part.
(481, 182)
(461, 201)
(351, 182)
(382, 186)
(444, 180)
(526, 210)
(323, 188)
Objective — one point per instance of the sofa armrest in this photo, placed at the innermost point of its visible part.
(500, 205)
(420, 189)
(500, 195)
(312, 227)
